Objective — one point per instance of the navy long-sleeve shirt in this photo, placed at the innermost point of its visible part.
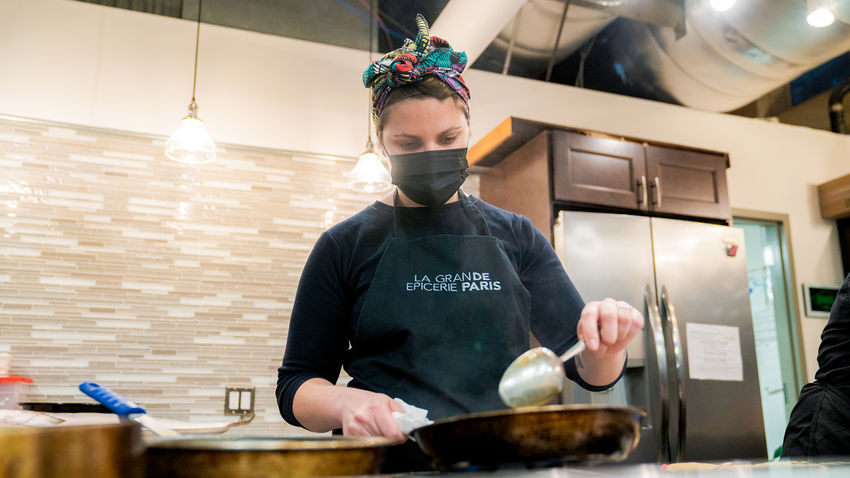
(819, 425)
(341, 266)
(834, 350)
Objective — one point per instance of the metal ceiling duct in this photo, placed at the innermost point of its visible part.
(453, 23)
(538, 27)
(725, 61)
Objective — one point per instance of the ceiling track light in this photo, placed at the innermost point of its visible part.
(820, 13)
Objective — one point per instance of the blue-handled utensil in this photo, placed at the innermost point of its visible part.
(125, 408)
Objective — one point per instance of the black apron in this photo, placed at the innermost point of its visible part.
(443, 317)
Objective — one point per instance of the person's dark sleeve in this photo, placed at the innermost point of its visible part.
(318, 326)
(555, 303)
(814, 428)
(834, 350)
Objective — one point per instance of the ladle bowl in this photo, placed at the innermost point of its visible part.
(536, 377)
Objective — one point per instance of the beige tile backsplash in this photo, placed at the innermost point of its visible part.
(163, 281)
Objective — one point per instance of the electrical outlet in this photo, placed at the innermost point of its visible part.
(239, 400)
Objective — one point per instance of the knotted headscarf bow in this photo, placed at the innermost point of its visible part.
(427, 55)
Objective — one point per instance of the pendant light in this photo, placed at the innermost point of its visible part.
(820, 13)
(191, 144)
(369, 174)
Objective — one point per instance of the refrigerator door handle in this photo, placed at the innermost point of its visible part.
(657, 331)
(679, 359)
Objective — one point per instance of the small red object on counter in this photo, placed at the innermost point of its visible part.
(13, 391)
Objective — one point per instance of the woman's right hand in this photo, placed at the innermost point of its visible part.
(365, 413)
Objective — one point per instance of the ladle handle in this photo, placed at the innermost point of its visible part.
(573, 351)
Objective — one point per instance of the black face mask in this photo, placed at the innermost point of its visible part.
(430, 177)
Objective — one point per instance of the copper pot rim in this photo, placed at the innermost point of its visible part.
(271, 443)
(93, 428)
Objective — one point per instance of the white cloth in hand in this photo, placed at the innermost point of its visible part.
(411, 418)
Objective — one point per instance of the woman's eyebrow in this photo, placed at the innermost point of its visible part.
(450, 130)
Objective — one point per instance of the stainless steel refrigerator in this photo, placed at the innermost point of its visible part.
(693, 369)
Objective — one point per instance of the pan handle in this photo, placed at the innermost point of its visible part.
(679, 356)
(657, 339)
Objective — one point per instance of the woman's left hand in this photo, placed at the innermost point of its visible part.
(608, 326)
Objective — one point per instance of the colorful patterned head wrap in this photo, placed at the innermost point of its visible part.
(412, 63)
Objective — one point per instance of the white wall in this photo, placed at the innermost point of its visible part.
(86, 64)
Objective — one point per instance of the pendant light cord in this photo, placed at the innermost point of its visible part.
(197, 38)
(369, 96)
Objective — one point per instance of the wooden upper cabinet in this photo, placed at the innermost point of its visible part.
(598, 171)
(690, 183)
(535, 168)
(834, 199)
(520, 183)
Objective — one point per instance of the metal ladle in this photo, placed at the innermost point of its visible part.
(536, 376)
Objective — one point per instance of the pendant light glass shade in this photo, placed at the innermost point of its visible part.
(191, 144)
(369, 174)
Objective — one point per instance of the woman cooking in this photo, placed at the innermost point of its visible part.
(429, 294)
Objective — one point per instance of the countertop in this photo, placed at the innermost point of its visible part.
(779, 469)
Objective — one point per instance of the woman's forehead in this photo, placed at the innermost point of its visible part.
(423, 116)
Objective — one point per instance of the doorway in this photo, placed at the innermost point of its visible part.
(778, 353)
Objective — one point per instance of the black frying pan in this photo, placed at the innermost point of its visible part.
(563, 433)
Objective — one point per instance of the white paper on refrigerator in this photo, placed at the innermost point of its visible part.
(714, 352)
